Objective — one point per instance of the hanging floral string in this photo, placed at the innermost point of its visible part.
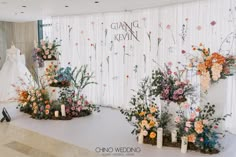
(150, 43)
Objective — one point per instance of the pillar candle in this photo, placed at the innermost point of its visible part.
(63, 110)
(159, 137)
(140, 138)
(184, 144)
(174, 136)
(56, 113)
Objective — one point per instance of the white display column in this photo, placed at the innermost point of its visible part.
(54, 92)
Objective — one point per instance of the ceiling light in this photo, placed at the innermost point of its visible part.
(23, 6)
(22, 12)
(96, 2)
(66, 6)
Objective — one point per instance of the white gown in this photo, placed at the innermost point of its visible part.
(13, 69)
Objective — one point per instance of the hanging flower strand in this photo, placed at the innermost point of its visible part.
(168, 27)
(149, 37)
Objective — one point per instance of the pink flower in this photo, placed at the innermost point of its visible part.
(215, 126)
(175, 73)
(169, 63)
(177, 83)
(177, 119)
(193, 116)
(188, 124)
(186, 129)
(213, 23)
(86, 102)
(180, 91)
(72, 108)
(199, 27)
(169, 72)
(186, 105)
(79, 102)
(201, 139)
(168, 27)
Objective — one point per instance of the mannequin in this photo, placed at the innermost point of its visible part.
(13, 69)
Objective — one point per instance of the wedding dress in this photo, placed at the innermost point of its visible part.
(12, 71)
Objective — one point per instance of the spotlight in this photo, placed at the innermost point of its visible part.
(6, 116)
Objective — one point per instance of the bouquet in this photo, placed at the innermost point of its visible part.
(76, 107)
(201, 128)
(144, 114)
(170, 86)
(212, 66)
(47, 50)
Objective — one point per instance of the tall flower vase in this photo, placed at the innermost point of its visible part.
(140, 138)
(184, 144)
(54, 92)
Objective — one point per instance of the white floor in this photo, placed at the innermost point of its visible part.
(107, 129)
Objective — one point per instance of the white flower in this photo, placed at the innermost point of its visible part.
(49, 56)
(205, 121)
(145, 133)
(50, 45)
(47, 52)
(44, 47)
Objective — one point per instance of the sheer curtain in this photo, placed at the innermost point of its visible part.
(163, 34)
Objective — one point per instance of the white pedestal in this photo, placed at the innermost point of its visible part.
(53, 92)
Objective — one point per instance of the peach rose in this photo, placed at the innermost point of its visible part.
(198, 127)
(191, 138)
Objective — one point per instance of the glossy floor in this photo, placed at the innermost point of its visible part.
(107, 129)
(19, 142)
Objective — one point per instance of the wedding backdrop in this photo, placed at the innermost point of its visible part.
(166, 74)
(122, 48)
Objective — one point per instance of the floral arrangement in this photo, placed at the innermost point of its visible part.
(47, 50)
(170, 86)
(212, 66)
(145, 115)
(35, 102)
(76, 107)
(201, 128)
(58, 77)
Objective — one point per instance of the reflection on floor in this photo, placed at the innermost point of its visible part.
(18, 142)
(105, 130)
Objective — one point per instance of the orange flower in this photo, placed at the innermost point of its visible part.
(217, 58)
(208, 62)
(142, 113)
(201, 67)
(23, 95)
(191, 138)
(153, 109)
(152, 123)
(198, 127)
(152, 135)
(46, 112)
(47, 106)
